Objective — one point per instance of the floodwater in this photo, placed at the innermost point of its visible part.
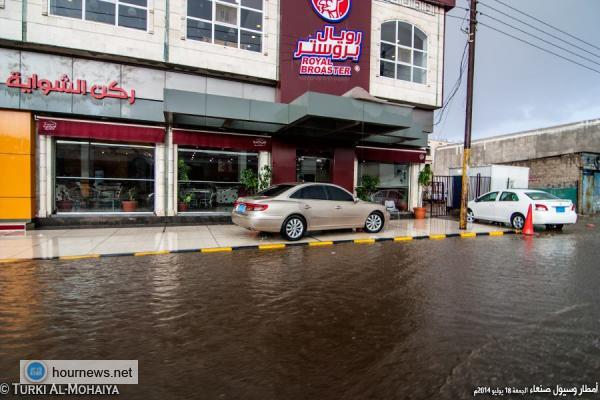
(420, 320)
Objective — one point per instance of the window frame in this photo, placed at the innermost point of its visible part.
(117, 3)
(397, 46)
(481, 199)
(309, 186)
(503, 199)
(239, 7)
(329, 188)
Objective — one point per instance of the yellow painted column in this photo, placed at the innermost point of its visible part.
(17, 166)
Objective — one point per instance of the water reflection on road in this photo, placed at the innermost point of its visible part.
(428, 319)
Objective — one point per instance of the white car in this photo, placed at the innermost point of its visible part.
(510, 206)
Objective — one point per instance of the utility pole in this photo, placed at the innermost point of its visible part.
(469, 117)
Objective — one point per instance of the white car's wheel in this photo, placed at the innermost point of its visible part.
(470, 216)
(293, 228)
(517, 221)
(374, 223)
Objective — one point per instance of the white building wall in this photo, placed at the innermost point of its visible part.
(10, 19)
(432, 24)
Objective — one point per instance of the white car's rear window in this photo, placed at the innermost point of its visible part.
(541, 196)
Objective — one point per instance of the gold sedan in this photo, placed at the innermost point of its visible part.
(295, 208)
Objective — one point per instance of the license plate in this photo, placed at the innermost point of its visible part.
(241, 208)
(560, 209)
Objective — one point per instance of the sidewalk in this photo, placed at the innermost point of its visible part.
(49, 244)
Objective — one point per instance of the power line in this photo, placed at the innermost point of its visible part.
(539, 47)
(541, 39)
(547, 24)
(538, 29)
(455, 88)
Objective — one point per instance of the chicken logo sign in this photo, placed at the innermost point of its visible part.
(332, 10)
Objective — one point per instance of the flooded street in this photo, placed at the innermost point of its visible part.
(418, 320)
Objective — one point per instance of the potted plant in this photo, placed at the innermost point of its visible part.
(130, 205)
(184, 201)
(425, 177)
(250, 182)
(63, 199)
(368, 187)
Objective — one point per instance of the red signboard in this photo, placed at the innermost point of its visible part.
(390, 155)
(221, 140)
(100, 131)
(64, 85)
(325, 46)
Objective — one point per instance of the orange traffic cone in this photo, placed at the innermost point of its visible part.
(528, 227)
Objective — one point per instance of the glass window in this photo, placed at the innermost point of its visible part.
(210, 181)
(199, 9)
(313, 165)
(337, 194)
(541, 196)
(393, 182)
(227, 23)
(131, 13)
(132, 17)
(388, 51)
(100, 11)
(104, 177)
(199, 30)
(66, 8)
(387, 69)
(406, 46)
(488, 197)
(274, 190)
(226, 36)
(509, 196)
(313, 192)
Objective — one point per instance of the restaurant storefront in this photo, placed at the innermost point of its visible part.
(95, 139)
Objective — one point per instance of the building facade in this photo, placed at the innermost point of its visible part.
(564, 160)
(162, 107)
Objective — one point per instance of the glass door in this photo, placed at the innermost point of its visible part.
(314, 165)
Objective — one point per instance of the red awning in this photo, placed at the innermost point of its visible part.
(213, 140)
(390, 155)
(100, 131)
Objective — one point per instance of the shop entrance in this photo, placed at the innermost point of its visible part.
(314, 165)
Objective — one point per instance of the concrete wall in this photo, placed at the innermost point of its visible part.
(580, 137)
(432, 24)
(553, 172)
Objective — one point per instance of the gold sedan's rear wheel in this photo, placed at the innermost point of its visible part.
(293, 228)
(374, 222)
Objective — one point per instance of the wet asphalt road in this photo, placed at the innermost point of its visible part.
(420, 320)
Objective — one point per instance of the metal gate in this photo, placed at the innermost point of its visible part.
(443, 196)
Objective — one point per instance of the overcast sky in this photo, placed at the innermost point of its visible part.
(518, 87)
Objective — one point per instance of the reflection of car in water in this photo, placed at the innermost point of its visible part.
(398, 196)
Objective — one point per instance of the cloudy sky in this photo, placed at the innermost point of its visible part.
(518, 87)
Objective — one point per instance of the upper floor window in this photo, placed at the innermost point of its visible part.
(127, 13)
(233, 23)
(403, 53)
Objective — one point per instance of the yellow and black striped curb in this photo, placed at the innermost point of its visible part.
(274, 246)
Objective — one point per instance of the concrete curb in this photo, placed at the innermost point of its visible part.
(273, 247)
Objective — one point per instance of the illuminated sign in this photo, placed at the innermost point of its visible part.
(64, 85)
(332, 10)
(318, 54)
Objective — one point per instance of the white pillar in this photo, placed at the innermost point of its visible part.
(355, 175)
(42, 176)
(159, 180)
(171, 173)
(413, 185)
